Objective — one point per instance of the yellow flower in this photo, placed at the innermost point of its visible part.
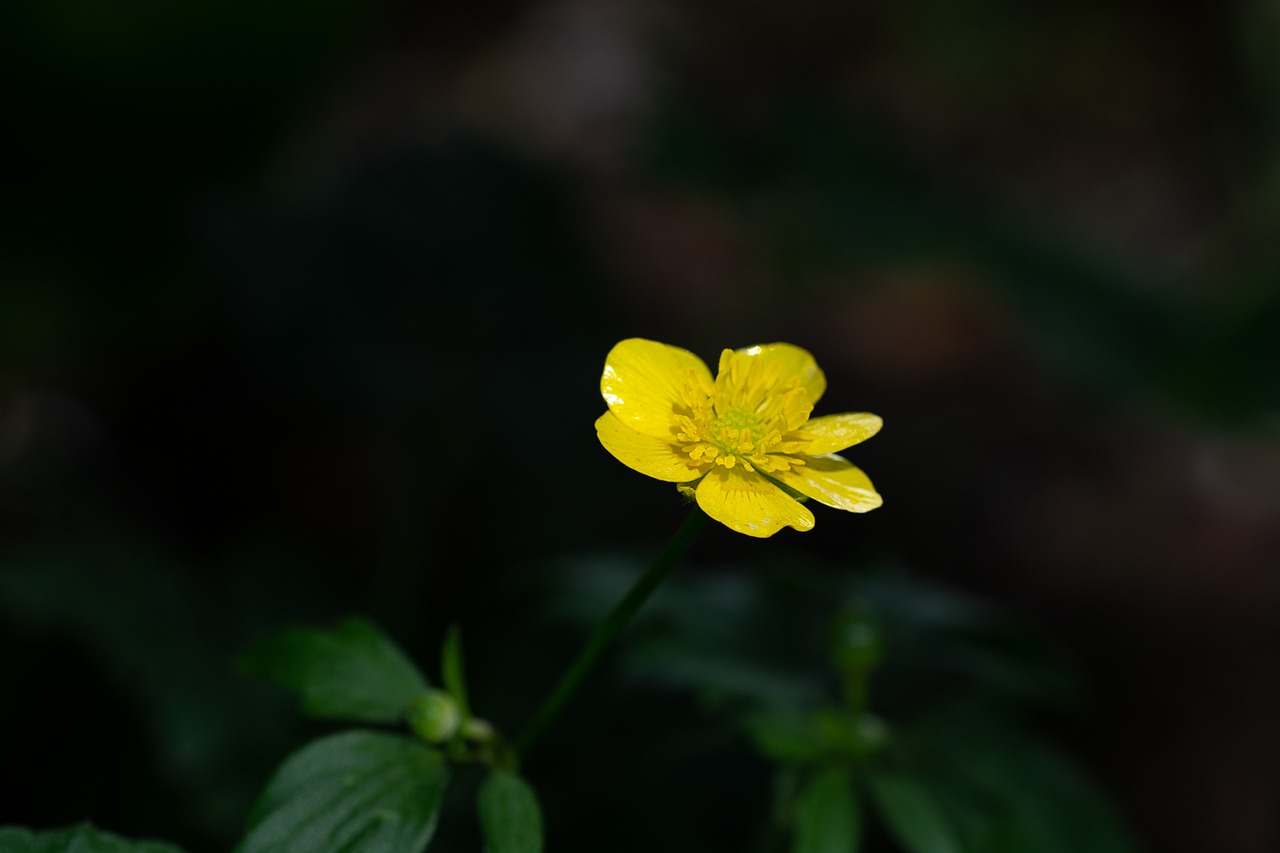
(743, 442)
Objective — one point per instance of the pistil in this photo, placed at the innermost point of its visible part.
(748, 419)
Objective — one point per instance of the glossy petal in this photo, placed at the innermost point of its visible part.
(792, 361)
(651, 456)
(834, 481)
(750, 504)
(833, 433)
(643, 380)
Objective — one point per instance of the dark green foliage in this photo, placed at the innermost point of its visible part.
(352, 792)
(913, 724)
(786, 736)
(81, 838)
(827, 815)
(915, 817)
(510, 818)
(1006, 783)
(352, 672)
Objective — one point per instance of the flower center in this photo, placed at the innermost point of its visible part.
(748, 419)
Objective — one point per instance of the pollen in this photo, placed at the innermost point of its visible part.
(749, 418)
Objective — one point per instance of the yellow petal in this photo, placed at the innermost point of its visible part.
(792, 361)
(651, 456)
(750, 504)
(833, 433)
(643, 381)
(832, 480)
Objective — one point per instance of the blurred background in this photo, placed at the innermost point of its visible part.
(303, 308)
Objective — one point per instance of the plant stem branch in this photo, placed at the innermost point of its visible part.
(613, 624)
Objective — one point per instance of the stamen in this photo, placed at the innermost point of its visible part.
(749, 416)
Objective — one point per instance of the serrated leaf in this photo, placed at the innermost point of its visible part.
(353, 792)
(82, 838)
(510, 818)
(912, 814)
(828, 818)
(352, 672)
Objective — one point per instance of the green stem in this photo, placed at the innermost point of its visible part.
(610, 628)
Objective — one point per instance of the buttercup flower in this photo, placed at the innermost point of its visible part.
(742, 442)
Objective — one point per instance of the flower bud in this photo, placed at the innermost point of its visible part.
(478, 731)
(434, 717)
(856, 641)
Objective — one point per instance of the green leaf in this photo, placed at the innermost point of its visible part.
(352, 672)
(1038, 799)
(453, 672)
(828, 819)
(786, 736)
(509, 815)
(82, 838)
(353, 792)
(912, 814)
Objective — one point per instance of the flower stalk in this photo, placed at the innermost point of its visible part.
(613, 624)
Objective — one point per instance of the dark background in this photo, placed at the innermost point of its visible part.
(303, 308)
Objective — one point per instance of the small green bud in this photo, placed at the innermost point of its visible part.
(435, 717)
(856, 641)
(477, 730)
(872, 733)
(854, 735)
